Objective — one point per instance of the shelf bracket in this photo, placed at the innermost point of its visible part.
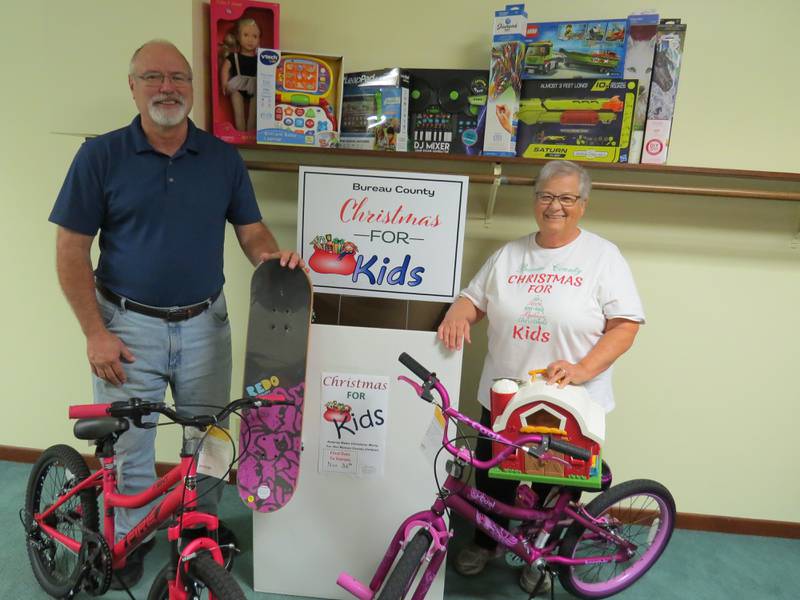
(498, 181)
(795, 243)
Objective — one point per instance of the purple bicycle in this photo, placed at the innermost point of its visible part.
(597, 550)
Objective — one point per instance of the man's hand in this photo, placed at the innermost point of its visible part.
(288, 259)
(105, 350)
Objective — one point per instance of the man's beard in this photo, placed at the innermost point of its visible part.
(167, 117)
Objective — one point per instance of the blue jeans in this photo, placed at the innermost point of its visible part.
(193, 358)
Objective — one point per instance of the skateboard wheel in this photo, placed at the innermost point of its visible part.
(263, 492)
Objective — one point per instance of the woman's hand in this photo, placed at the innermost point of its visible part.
(453, 332)
(563, 373)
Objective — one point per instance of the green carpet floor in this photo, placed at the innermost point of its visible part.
(705, 566)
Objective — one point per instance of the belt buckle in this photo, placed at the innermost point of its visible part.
(177, 314)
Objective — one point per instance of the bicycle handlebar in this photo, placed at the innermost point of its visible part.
(136, 408)
(545, 441)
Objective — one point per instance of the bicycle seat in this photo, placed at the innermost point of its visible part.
(98, 428)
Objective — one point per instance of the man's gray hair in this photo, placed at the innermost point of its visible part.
(131, 66)
(564, 168)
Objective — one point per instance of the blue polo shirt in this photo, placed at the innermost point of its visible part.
(161, 219)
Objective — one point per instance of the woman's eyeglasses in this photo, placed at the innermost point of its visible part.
(563, 199)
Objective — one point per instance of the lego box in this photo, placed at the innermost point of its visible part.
(576, 119)
(299, 98)
(575, 49)
(375, 110)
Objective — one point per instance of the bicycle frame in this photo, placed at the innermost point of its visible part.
(179, 488)
(476, 506)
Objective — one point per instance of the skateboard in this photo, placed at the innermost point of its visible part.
(275, 366)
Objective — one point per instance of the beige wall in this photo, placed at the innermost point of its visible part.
(706, 401)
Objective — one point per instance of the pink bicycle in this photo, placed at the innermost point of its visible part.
(68, 552)
(597, 550)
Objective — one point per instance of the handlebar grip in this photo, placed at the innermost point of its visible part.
(414, 367)
(87, 411)
(571, 449)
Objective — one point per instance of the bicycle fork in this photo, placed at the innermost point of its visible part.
(433, 523)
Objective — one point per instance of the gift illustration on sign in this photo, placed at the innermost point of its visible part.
(333, 256)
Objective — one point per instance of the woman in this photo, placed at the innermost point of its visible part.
(563, 298)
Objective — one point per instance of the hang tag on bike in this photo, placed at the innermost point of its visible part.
(216, 454)
(432, 440)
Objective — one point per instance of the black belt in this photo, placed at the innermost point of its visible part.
(180, 313)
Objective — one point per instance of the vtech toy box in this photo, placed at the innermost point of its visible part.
(576, 119)
(299, 98)
(375, 110)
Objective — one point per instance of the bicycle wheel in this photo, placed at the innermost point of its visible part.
(405, 570)
(59, 469)
(205, 579)
(640, 511)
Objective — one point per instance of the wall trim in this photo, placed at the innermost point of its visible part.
(692, 521)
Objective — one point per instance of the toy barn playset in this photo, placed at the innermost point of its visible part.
(663, 89)
(575, 49)
(238, 29)
(576, 119)
(568, 414)
(299, 98)
(639, 53)
(375, 110)
(505, 80)
(446, 107)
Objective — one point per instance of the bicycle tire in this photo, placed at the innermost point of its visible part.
(405, 569)
(58, 469)
(204, 574)
(655, 519)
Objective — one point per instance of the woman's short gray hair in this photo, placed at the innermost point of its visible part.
(563, 168)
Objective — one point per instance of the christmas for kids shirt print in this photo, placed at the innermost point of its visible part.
(548, 304)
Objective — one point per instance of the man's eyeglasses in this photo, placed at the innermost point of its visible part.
(155, 79)
(563, 199)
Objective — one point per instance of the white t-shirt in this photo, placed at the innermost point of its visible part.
(548, 304)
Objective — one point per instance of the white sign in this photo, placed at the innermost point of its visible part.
(353, 424)
(382, 233)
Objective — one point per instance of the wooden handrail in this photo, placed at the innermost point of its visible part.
(283, 167)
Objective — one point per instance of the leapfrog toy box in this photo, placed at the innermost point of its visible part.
(299, 98)
(575, 49)
(569, 414)
(375, 110)
(576, 119)
(238, 28)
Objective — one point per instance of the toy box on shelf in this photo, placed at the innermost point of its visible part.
(299, 98)
(575, 49)
(568, 414)
(505, 73)
(663, 89)
(375, 110)
(238, 28)
(576, 119)
(446, 107)
(639, 53)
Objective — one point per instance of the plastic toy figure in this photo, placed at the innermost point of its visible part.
(238, 74)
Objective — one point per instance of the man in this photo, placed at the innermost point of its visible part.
(159, 191)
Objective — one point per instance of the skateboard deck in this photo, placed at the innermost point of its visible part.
(275, 365)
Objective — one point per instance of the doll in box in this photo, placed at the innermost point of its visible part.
(238, 72)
